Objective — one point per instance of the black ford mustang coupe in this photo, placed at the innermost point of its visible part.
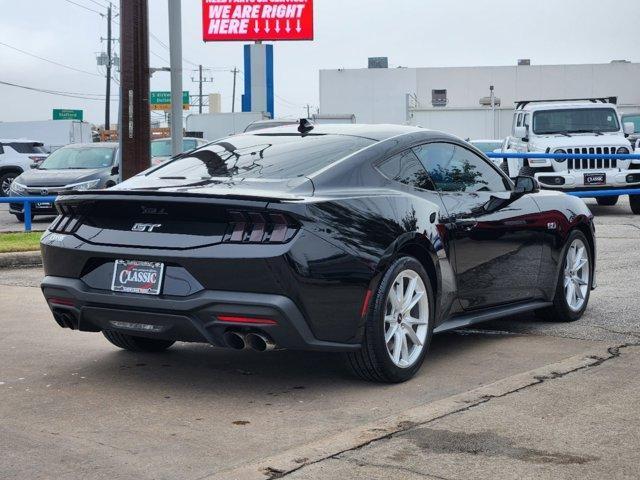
(347, 238)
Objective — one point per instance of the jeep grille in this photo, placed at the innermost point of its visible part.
(593, 163)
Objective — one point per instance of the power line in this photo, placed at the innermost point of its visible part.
(85, 7)
(50, 61)
(94, 96)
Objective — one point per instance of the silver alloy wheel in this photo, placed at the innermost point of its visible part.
(6, 185)
(576, 275)
(406, 319)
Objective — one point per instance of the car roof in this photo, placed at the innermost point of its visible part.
(373, 132)
(94, 144)
(18, 140)
(183, 138)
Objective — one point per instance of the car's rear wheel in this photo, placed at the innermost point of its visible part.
(607, 201)
(399, 325)
(574, 283)
(136, 344)
(634, 201)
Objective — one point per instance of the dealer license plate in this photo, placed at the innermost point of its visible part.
(131, 276)
(595, 178)
(44, 205)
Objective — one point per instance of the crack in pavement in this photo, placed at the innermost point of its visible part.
(614, 352)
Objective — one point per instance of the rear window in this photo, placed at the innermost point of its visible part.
(21, 147)
(262, 156)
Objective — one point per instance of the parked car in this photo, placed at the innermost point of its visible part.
(635, 119)
(262, 124)
(76, 167)
(589, 126)
(487, 146)
(161, 148)
(17, 156)
(335, 238)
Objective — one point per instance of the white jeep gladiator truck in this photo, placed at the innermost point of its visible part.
(583, 126)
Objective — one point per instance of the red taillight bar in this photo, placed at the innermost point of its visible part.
(65, 302)
(246, 320)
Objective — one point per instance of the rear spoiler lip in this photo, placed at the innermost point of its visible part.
(152, 195)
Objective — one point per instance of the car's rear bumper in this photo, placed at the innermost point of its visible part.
(194, 318)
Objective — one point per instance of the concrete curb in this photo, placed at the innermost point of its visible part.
(287, 462)
(20, 259)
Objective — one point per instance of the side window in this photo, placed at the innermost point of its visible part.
(519, 124)
(406, 168)
(526, 121)
(455, 169)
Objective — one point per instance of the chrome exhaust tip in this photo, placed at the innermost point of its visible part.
(235, 340)
(259, 342)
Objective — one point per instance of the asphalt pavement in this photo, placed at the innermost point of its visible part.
(516, 398)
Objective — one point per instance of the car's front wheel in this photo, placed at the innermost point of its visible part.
(136, 344)
(5, 183)
(399, 325)
(634, 201)
(574, 283)
(607, 201)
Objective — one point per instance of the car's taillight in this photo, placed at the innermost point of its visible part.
(68, 221)
(258, 227)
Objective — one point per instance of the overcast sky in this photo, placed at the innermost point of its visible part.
(412, 33)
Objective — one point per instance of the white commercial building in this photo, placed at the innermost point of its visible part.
(449, 98)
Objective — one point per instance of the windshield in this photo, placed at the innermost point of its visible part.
(487, 147)
(578, 120)
(21, 147)
(162, 148)
(262, 156)
(82, 158)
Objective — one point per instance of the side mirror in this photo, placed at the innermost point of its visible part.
(34, 165)
(629, 128)
(526, 185)
(115, 170)
(522, 133)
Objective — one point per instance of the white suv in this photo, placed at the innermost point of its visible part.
(17, 156)
(588, 126)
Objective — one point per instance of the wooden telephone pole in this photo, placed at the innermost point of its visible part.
(135, 122)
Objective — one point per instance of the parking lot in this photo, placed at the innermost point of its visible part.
(546, 400)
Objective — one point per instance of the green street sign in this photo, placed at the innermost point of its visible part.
(162, 100)
(62, 114)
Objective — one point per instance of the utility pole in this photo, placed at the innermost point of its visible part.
(235, 72)
(175, 57)
(135, 127)
(201, 79)
(107, 106)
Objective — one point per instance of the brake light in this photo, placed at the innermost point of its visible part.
(246, 320)
(257, 227)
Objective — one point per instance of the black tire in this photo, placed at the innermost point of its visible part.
(560, 311)
(137, 344)
(5, 181)
(607, 201)
(372, 362)
(634, 201)
(20, 217)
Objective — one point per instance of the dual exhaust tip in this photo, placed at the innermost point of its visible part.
(254, 341)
